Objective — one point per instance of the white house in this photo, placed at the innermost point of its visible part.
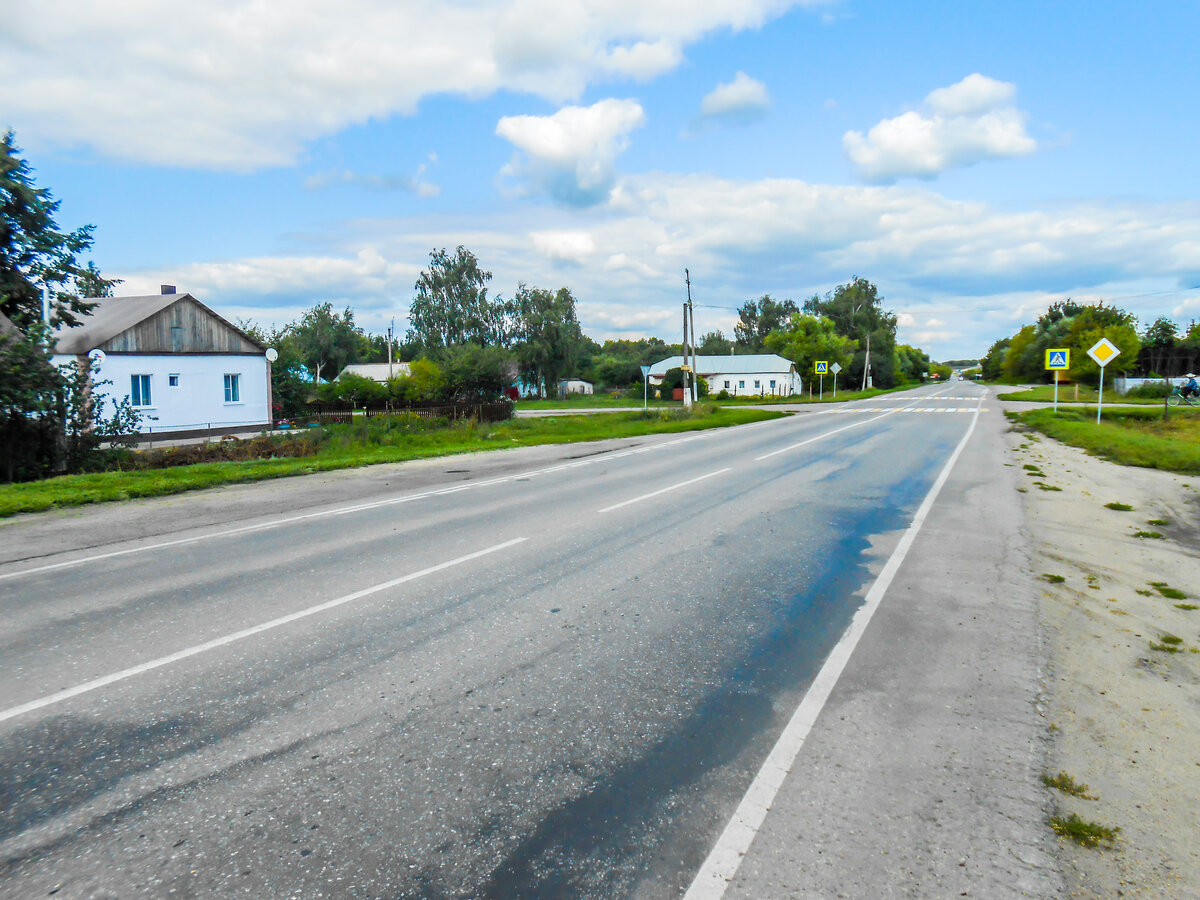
(182, 366)
(755, 374)
(380, 372)
(575, 386)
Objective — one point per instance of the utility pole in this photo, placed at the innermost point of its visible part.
(867, 362)
(692, 317)
(391, 328)
(685, 367)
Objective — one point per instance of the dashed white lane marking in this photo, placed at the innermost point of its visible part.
(106, 680)
(734, 842)
(665, 490)
(360, 507)
(825, 435)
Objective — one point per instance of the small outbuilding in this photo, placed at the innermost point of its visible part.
(183, 367)
(755, 374)
(575, 386)
(380, 372)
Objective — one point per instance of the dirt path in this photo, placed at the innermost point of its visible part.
(1123, 685)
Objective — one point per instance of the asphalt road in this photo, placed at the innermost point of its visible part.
(543, 673)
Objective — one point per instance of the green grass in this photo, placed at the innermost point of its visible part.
(597, 401)
(1187, 607)
(1152, 535)
(1053, 579)
(1119, 507)
(1159, 522)
(1044, 393)
(1068, 785)
(1131, 437)
(343, 450)
(1089, 834)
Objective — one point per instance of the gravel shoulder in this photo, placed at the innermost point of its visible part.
(1124, 717)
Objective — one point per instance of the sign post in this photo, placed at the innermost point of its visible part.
(1103, 352)
(645, 387)
(835, 368)
(820, 368)
(1057, 359)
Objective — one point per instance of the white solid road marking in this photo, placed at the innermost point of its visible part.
(665, 490)
(106, 680)
(726, 855)
(821, 436)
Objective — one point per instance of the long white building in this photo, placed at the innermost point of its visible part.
(755, 374)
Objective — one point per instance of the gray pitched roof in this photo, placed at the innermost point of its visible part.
(112, 316)
(374, 371)
(728, 365)
(6, 325)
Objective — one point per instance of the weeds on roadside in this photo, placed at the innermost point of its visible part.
(1170, 644)
(1119, 507)
(1186, 606)
(1068, 785)
(1053, 579)
(1166, 590)
(1088, 834)
(1160, 522)
(1148, 534)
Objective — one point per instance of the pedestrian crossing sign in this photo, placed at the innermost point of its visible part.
(821, 368)
(1059, 358)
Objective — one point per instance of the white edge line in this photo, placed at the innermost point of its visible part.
(664, 490)
(106, 680)
(727, 854)
(820, 436)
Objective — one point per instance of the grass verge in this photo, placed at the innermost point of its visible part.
(1089, 834)
(1130, 437)
(1044, 393)
(344, 449)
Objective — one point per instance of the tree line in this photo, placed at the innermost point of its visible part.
(1160, 350)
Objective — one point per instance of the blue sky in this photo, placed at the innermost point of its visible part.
(976, 161)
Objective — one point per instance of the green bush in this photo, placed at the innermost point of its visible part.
(1158, 389)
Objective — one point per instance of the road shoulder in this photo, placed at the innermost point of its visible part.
(922, 774)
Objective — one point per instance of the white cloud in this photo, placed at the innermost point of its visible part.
(961, 125)
(411, 184)
(571, 155)
(739, 102)
(564, 246)
(243, 84)
(960, 274)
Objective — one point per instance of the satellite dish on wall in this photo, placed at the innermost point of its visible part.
(272, 354)
(97, 355)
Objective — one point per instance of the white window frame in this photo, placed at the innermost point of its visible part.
(173, 379)
(141, 397)
(233, 388)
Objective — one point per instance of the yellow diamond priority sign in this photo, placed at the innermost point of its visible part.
(1104, 351)
(1058, 358)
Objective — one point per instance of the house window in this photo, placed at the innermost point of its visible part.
(139, 390)
(756, 382)
(172, 381)
(726, 384)
(232, 391)
(772, 383)
(741, 384)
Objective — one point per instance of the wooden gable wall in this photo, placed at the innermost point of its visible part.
(183, 327)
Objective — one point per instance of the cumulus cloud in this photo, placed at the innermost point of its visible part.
(242, 84)
(571, 155)
(564, 246)
(961, 274)
(959, 125)
(740, 102)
